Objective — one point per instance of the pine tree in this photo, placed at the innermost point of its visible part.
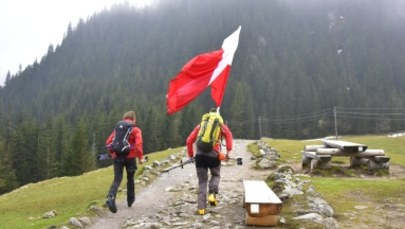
(46, 152)
(171, 131)
(25, 151)
(8, 179)
(152, 132)
(61, 145)
(242, 115)
(79, 158)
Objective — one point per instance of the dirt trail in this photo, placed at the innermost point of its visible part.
(154, 197)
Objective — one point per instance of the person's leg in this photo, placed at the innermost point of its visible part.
(112, 193)
(214, 165)
(215, 179)
(118, 172)
(130, 169)
(202, 174)
(213, 185)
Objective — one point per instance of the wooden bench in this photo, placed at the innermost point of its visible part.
(261, 203)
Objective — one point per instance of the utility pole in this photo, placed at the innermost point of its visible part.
(260, 129)
(335, 117)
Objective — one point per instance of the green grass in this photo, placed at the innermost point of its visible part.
(290, 150)
(68, 196)
(253, 149)
(343, 194)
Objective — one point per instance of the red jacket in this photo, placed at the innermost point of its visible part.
(193, 137)
(135, 140)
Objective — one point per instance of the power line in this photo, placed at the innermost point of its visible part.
(363, 108)
(336, 115)
(368, 113)
(339, 113)
(371, 118)
(308, 116)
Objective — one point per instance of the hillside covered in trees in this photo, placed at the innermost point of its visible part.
(300, 70)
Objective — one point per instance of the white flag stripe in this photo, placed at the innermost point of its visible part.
(229, 47)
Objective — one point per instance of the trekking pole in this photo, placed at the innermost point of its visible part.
(103, 156)
(181, 165)
(238, 160)
(106, 156)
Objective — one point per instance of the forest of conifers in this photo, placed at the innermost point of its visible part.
(303, 69)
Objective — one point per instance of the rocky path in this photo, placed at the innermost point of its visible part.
(169, 202)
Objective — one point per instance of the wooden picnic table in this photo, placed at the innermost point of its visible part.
(319, 156)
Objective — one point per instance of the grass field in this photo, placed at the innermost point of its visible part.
(68, 196)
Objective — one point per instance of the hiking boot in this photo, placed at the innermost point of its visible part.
(111, 204)
(130, 201)
(212, 200)
(201, 211)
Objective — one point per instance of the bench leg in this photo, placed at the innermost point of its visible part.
(305, 161)
(357, 161)
(314, 165)
(372, 165)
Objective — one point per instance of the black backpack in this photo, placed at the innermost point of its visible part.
(120, 144)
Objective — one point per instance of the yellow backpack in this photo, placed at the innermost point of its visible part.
(210, 131)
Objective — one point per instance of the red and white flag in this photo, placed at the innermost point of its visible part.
(207, 69)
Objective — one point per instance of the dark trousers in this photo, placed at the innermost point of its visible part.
(130, 167)
(205, 162)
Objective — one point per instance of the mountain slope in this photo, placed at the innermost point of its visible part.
(310, 57)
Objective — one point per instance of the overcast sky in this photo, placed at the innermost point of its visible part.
(28, 27)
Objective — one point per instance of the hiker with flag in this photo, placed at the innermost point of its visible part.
(125, 144)
(206, 70)
(208, 135)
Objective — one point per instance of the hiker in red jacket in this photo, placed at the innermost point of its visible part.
(128, 161)
(211, 161)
